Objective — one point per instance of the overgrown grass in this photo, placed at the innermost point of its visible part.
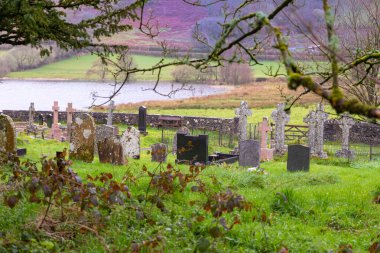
(305, 212)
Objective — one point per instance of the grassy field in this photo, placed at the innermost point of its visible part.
(305, 212)
(76, 68)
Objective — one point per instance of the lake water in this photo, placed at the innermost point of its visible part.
(18, 94)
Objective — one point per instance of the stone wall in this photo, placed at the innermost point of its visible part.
(210, 124)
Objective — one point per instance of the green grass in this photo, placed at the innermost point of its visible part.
(307, 212)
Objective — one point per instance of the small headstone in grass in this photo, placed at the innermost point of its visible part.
(281, 118)
(49, 120)
(82, 139)
(7, 134)
(298, 158)
(249, 153)
(21, 152)
(181, 130)
(130, 141)
(111, 151)
(192, 149)
(159, 152)
(346, 122)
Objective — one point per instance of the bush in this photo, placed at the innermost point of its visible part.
(236, 73)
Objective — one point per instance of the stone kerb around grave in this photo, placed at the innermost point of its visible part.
(7, 134)
(82, 141)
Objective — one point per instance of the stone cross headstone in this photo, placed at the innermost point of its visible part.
(70, 111)
(320, 118)
(142, 119)
(243, 112)
(159, 152)
(56, 131)
(111, 151)
(82, 140)
(111, 108)
(130, 141)
(181, 130)
(298, 158)
(310, 119)
(266, 153)
(346, 122)
(281, 118)
(7, 134)
(32, 111)
(249, 153)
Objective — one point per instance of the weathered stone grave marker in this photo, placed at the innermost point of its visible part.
(281, 119)
(56, 131)
(266, 154)
(181, 130)
(82, 140)
(49, 120)
(111, 108)
(249, 153)
(130, 141)
(346, 122)
(159, 152)
(111, 151)
(32, 112)
(298, 158)
(41, 120)
(243, 112)
(7, 134)
(192, 149)
(320, 118)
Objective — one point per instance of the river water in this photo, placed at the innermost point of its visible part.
(18, 94)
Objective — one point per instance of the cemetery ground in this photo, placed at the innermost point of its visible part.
(326, 210)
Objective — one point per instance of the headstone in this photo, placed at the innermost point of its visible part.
(249, 153)
(111, 151)
(159, 152)
(82, 139)
(266, 154)
(281, 118)
(104, 132)
(70, 112)
(40, 119)
(111, 108)
(346, 122)
(56, 131)
(181, 130)
(32, 111)
(298, 158)
(130, 141)
(243, 112)
(192, 149)
(142, 119)
(7, 134)
(320, 118)
(21, 151)
(49, 120)
(310, 119)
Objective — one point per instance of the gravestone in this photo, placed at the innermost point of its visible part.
(104, 132)
(320, 118)
(21, 152)
(310, 119)
(281, 119)
(32, 112)
(82, 139)
(130, 141)
(298, 158)
(111, 151)
(181, 130)
(142, 119)
(111, 108)
(40, 119)
(69, 111)
(266, 154)
(249, 153)
(56, 131)
(49, 120)
(7, 134)
(192, 149)
(243, 112)
(159, 152)
(346, 122)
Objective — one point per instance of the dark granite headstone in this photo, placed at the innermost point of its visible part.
(21, 151)
(192, 149)
(40, 119)
(142, 119)
(249, 153)
(298, 158)
(49, 120)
